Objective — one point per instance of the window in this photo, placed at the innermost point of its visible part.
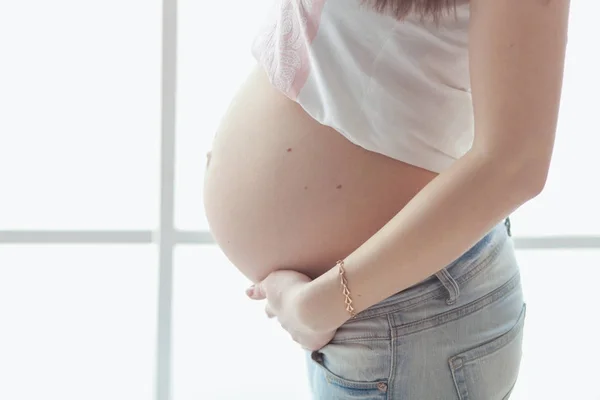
(104, 259)
(78, 322)
(80, 95)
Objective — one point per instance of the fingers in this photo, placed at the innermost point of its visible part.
(269, 311)
(275, 284)
(256, 292)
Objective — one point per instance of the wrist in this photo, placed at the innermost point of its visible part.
(322, 306)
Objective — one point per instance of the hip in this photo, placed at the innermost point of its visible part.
(456, 335)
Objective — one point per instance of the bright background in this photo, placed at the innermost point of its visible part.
(80, 145)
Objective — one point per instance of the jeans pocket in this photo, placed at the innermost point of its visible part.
(489, 371)
(337, 372)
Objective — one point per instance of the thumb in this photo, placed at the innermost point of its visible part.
(256, 292)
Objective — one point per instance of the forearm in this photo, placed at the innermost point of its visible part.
(436, 227)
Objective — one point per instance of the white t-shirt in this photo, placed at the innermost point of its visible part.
(399, 88)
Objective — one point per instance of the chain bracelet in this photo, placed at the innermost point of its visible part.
(345, 290)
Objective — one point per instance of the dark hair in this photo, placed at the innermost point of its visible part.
(423, 8)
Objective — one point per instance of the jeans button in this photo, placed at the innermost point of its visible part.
(317, 357)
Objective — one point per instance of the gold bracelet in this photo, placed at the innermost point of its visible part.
(345, 290)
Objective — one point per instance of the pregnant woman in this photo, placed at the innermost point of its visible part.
(362, 176)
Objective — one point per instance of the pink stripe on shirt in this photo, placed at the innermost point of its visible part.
(282, 47)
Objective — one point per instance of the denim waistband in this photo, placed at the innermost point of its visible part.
(451, 277)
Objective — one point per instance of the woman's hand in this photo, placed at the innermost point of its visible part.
(285, 293)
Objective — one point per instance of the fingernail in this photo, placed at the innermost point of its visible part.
(250, 291)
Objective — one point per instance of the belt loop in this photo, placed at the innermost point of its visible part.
(450, 284)
(507, 225)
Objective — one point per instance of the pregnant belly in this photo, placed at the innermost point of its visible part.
(285, 192)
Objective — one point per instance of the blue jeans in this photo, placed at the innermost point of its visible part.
(456, 335)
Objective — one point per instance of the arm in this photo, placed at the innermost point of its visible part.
(517, 50)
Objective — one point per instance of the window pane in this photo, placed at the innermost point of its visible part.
(569, 204)
(561, 334)
(80, 101)
(77, 322)
(214, 58)
(224, 347)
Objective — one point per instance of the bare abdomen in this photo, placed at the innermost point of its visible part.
(285, 192)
